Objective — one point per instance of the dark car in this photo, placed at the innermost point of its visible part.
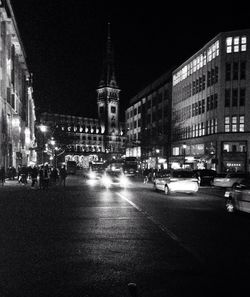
(206, 176)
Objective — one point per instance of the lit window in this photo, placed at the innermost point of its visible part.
(242, 124)
(229, 41)
(243, 43)
(234, 124)
(236, 48)
(236, 40)
(229, 44)
(227, 124)
(176, 151)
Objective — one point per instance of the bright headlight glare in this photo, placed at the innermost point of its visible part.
(92, 175)
(124, 181)
(106, 181)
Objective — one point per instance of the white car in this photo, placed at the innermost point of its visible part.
(228, 180)
(114, 178)
(238, 197)
(177, 181)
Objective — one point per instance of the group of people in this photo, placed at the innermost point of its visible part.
(40, 176)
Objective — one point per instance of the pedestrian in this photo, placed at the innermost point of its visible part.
(54, 175)
(46, 177)
(2, 175)
(40, 173)
(13, 173)
(34, 174)
(63, 175)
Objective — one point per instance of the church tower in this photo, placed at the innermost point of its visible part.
(108, 96)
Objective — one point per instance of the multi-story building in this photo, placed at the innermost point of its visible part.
(211, 106)
(148, 123)
(86, 139)
(17, 109)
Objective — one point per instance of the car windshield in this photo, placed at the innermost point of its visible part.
(220, 175)
(183, 174)
(116, 173)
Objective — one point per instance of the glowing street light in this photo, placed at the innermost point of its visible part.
(184, 146)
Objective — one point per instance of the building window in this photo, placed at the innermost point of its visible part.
(234, 123)
(229, 44)
(228, 71)
(235, 97)
(113, 109)
(242, 124)
(227, 124)
(235, 70)
(243, 43)
(236, 44)
(243, 70)
(227, 97)
(242, 97)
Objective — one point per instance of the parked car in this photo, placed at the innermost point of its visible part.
(238, 197)
(176, 181)
(228, 180)
(206, 176)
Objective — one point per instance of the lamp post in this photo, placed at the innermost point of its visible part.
(157, 153)
(52, 142)
(43, 129)
(184, 146)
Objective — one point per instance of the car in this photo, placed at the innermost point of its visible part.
(176, 181)
(94, 177)
(228, 180)
(206, 176)
(112, 178)
(238, 197)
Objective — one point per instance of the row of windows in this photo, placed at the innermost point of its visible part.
(197, 63)
(236, 44)
(197, 108)
(234, 123)
(235, 97)
(212, 76)
(200, 129)
(134, 124)
(235, 71)
(112, 109)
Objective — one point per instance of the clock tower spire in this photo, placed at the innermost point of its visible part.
(108, 94)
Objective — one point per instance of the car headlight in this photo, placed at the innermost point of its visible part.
(92, 175)
(124, 181)
(106, 181)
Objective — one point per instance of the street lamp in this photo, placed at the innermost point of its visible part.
(184, 146)
(157, 153)
(43, 129)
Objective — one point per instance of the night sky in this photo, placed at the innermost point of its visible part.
(65, 43)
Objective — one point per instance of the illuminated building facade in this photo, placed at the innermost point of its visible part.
(211, 106)
(17, 109)
(148, 123)
(86, 139)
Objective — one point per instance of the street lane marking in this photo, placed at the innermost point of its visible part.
(164, 229)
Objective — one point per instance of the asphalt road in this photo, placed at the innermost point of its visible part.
(83, 240)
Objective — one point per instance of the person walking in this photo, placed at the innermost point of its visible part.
(63, 175)
(34, 174)
(2, 175)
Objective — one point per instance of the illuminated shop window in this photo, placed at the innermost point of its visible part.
(242, 124)
(176, 151)
(227, 124)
